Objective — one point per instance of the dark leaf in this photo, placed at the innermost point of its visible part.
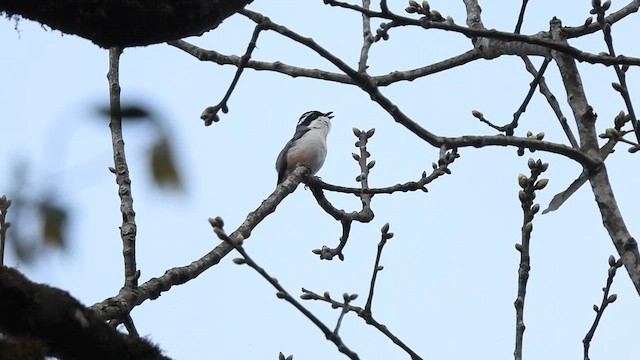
(130, 112)
(163, 166)
(54, 221)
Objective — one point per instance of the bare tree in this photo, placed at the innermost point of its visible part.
(379, 23)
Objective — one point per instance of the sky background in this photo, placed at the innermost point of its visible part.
(450, 272)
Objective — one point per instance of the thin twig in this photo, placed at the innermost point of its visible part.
(532, 89)
(606, 300)
(282, 293)
(294, 71)
(365, 166)
(210, 114)
(367, 38)
(386, 235)
(529, 185)
(367, 317)
(552, 101)
(4, 225)
(521, 16)
(623, 88)
(578, 31)
(345, 310)
(439, 169)
(121, 169)
(327, 253)
(509, 128)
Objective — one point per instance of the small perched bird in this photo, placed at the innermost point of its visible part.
(308, 146)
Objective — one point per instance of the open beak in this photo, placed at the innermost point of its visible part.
(329, 115)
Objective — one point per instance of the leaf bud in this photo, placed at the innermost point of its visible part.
(540, 184)
(523, 181)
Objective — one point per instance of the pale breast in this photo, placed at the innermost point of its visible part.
(309, 150)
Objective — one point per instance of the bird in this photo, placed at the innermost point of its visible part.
(308, 146)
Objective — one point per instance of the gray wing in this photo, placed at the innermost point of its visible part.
(281, 162)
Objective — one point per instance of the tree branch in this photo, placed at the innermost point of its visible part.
(121, 170)
(120, 304)
(367, 39)
(552, 101)
(606, 300)
(590, 27)
(529, 186)
(386, 235)
(4, 225)
(210, 114)
(282, 293)
(625, 244)
(346, 219)
(367, 317)
(294, 71)
(509, 40)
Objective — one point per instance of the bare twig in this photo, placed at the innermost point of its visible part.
(606, 300)
(347, 298)
(386, 235)
(439, 169)
(529, 186)
(532, 88)
(590, 28)
(236, 243)
(119, 305)
(4, 225)
(294, 71)
(365, 166)
(367, 317)
(508, 129)
(210, 114)
(622, 86)
(365, 313)
(365, 215)
(367, 38)
(523, 8)
(128, 229)
(552, 101)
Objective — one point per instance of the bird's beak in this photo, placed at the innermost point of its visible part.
(329, 115)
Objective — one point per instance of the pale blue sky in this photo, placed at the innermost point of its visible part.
(450, 273)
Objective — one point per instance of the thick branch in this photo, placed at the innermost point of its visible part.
(625, 244)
